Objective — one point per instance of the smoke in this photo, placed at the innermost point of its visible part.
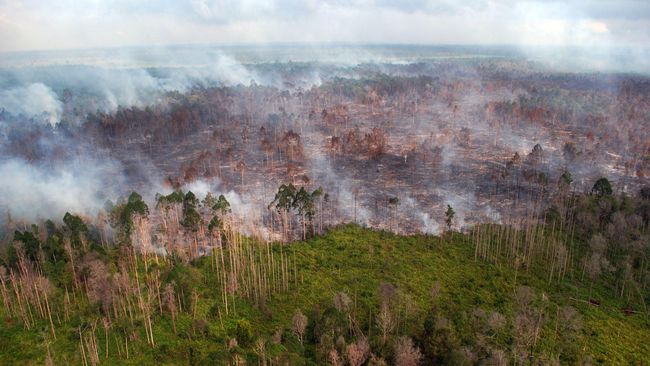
(58, 92)
(467, 209)
(428, 225)
(247, 208)
(411, 208)
(32, 100)
(36, 192)
(242, 207)
(347, 195)
(69, 85)
(47, 91)
(200, 188)
(350, 205)
(599, 58)
(68, 88)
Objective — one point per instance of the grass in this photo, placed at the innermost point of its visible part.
(357, 261)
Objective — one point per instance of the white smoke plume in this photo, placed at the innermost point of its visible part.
(33, 100)
(35, 192)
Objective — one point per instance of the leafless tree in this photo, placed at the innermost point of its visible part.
(98, 283)
(260, 350)
(496, 321)
(435, 290)
(376, 361)
(357, 353)
(334, 358)
(406, 353)
(342, 302)
(569, 321)
(597, 262)
(170, 302)
(277, 337)
(387, 292)
(299, 325)
(386, 322)
(497, 358)
(232, 343)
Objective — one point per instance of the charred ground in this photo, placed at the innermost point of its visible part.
(487, 137)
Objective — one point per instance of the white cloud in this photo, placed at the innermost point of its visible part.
(596, 26)
(40, 24)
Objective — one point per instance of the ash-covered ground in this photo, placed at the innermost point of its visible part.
(489, 133)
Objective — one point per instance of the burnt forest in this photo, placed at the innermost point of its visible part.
(323, 203)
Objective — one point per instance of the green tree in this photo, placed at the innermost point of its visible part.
(284, 198)
(121, 216)
(602, 187)
(283, 203)
(209, 200)
(30, 243)
(215, 224)
(137, 205)
(222, 205)
(449, 216)
(304, 203)
(243, 332)
(75, 227)
(191, 216)
(167, 201)
(316, 195)
(74, 223)
(438, 339)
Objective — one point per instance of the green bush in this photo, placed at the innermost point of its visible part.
(243, 332)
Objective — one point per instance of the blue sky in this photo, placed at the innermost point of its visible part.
(62, 24)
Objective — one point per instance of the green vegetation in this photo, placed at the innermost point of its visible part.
(353, 296)
(358, 262)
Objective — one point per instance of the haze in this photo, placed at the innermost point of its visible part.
(39, 24)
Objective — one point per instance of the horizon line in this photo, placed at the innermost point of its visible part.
(511, 46)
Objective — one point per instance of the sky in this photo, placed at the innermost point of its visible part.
(70, 24)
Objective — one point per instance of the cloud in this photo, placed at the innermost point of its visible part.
(40, 24)
(596, 26)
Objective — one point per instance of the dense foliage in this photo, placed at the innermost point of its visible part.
(352, 296)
